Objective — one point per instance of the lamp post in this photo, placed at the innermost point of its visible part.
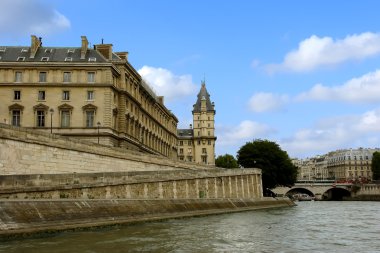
(51, 119)
(98, 124)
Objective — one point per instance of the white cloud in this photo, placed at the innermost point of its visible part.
(315, 52)
(19, 17)
(167, 84)
(335, 133)
(362, 89)
(262, 102)
(246, 131)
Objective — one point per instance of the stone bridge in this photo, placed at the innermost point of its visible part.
(325, 191)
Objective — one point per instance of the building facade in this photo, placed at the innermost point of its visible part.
(339, 165)
(90, 94)
(197, 144)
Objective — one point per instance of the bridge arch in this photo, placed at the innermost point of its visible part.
(336, 193)
(300, 190)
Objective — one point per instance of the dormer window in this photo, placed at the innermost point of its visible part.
(70, 51)
(24, 50)
(20, 58)
(48, 50)
(68, 59)
(92, 59)
(2, 49)
(45, 59)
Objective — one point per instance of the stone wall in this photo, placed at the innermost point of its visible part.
(31, 152)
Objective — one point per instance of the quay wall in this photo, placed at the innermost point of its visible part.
(367, 192)
(51, 183)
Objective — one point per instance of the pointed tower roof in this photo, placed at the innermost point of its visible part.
(203, 95)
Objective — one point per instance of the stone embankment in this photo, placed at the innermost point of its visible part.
(48, 183)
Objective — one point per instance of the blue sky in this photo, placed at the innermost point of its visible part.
(305, 74)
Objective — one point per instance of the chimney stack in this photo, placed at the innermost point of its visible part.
(160, 99)
(36, 43)
(105, 50)
(122, 55)
(84, 47)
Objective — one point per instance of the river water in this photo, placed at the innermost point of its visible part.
(308, 227)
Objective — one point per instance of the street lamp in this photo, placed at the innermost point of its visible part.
(98, 130)
(51, 119)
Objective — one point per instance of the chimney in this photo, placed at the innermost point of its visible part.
(122, 55)
(191, 126)
(105, 50)
(160, 99)
(84, 47)
(36, 43)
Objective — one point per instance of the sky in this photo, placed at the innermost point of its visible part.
(304, 74)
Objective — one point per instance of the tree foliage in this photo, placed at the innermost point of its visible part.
(277, 168)
(375, 166)
(226, 161)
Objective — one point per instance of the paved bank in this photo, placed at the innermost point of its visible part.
(25, 218)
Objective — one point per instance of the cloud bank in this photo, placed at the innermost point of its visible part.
(165, 83)
(19, 17)
(315, 52)
(264, 102)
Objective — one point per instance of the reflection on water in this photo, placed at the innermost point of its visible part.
(309, 227)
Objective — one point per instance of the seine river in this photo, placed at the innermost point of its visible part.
(308, 227)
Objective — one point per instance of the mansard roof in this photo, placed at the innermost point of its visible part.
(54, 54)
(185, 133)
(203, 94)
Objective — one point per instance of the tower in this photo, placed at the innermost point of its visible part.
(204, 128)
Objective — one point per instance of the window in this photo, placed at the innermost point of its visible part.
(41, 95)
(24, 50)
(68, 59)
(16, 117)
(45, 59)
(66, 95)
(42, 77)
(90, 118)
(204, 151)
(20, 58)
(65, 118)
(208, 133)
(18, 77)
(70, 51)
(181, 150)
(181, 143)
(189, 143)
(40, 118)
(48, 50)
(16, 95)
(66, 77)
(209, 142)
(2, 49)
(90, 95)
(91, 77)
(199, 142)
(92, 59)
(189, 150)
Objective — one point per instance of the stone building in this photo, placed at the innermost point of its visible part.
(197, 144)
(90, 94)
(340, 165)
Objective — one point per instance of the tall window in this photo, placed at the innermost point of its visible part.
(66, 77)
(90, 95)
(90, 118)
(66, 95)
(16, 117)
(91, 77)
(40, 118)
(42, 77)
(41, 95)
(18, 77)
(16, 95)
(204, 151)
(65, 118)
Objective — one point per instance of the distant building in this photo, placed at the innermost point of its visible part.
(347, 164)
(197, 144)
(89, 94)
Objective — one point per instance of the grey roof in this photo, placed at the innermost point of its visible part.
(55, 54)
(185, 132)
(203, 94)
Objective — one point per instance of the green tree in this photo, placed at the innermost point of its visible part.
(226, 161)
(277, 168)
(375, 166)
